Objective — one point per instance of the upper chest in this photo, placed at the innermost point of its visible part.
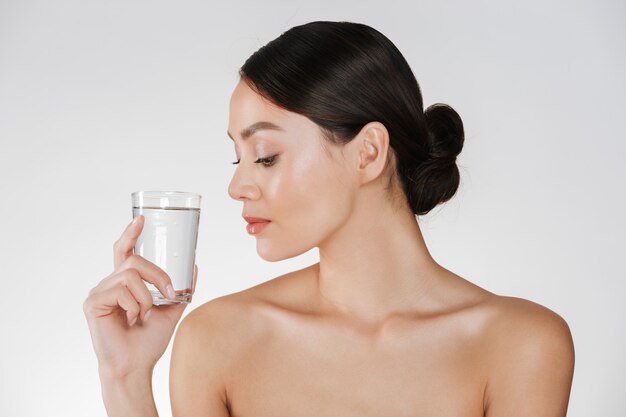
(303, 366)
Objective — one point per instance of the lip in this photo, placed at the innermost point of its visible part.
(255, 219)
(256, 227)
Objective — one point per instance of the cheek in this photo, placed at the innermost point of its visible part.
(309, 199)
(312, 200)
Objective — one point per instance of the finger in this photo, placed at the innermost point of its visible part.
(127, 302)
(140, 292)
(173, 312)
(106, 302)
(125, 245)
(147, 271)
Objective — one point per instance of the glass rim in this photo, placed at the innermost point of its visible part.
(169, 193)
(166, 199)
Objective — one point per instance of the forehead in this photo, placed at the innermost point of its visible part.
(244, 100)
(247, 107)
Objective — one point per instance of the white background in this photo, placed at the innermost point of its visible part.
(102, 98)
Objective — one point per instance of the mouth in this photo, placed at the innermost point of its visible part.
(255, 219)
(254, 228)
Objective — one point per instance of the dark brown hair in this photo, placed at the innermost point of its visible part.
(343, 75)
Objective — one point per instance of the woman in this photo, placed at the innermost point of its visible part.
(335, 151)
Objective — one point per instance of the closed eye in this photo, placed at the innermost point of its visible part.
(269, 161)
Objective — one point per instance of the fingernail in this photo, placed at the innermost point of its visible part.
(147, 315)
(134, 220)
(133, 321)
(170, 291)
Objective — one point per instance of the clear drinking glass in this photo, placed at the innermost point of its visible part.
(169, 237)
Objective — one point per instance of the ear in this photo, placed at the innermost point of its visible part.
(373, 143)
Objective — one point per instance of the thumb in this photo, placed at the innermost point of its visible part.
(125, 245)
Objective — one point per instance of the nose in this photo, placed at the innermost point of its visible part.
(243, 186)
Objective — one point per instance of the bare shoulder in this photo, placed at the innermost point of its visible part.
(239, 316)
(204, 348)
(520, 321)
(224, 320)
(212, 340)
(530, 356)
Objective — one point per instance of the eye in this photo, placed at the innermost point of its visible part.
(269, 161)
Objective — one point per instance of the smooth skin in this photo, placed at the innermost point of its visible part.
(129, 334)
(376, 328)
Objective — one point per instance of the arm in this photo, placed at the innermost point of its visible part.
(533, 365)
(200, 355)
(130, 395)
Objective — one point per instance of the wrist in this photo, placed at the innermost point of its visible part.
(124, 376)
(128, 393)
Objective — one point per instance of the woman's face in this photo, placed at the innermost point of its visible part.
(305, 193)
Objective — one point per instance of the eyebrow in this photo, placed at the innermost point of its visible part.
(255, 127)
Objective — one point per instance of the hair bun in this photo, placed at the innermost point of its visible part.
(446, 132)
(437, 179)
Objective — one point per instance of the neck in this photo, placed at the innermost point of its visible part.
(376, 265)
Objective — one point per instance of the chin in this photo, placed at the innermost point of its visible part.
(271, 253)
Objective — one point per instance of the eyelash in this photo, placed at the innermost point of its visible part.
(268, 162)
